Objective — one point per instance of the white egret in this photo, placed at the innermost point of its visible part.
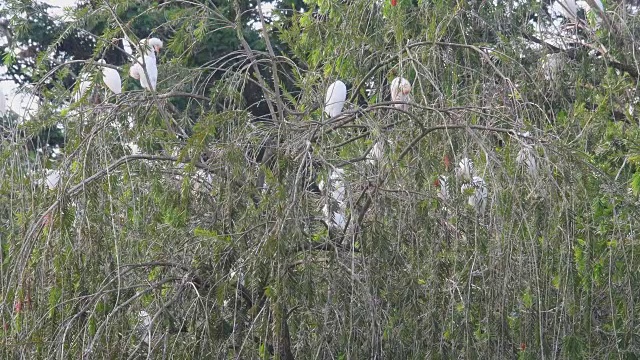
(3, 103)
(149, 47)
(85, 83)
(527, 159)
(400, 91)
(335, 98)
(51, 180)
(144, 326)
(134, 148)
(126, 45)
(111, 78)
(478, 198)
(442, 183)
(585, 5)
(376, 152)
(465, 169)
(568, 8)
(336, 199)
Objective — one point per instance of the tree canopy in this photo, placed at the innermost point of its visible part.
(226, 215)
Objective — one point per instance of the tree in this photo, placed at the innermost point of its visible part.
(211, 242)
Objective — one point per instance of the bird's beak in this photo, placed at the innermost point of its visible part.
(157, 49)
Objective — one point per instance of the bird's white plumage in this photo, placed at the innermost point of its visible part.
(335, 208)
(148, 60)
(51, 179)
(335, 98)
(465, 169)
(376, 152)
(85, 83)
(401, 91)
(134, 148)
(478, 198)
(144, 326)
(569, 8)
(599, 4)
(526, 158)
(126, 45)
(335, 218)
(585, 5)
(337, 183)
(3, 103)
(443, 188)
(151, 46)
(111, 78)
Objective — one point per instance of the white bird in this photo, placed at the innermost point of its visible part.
(126, 45)
(134, 148)
(568, 8)
(338, 191)
(478, 198)
(85, 83)
(336, 200)
(527, 159)
(400, 91)
(144, 326)
(376, 152)
(3, 103)
(111, 78)
(149, 47)
(585, 5)
(442, 182)
(335, 98)
(465, 169)
(51, 180)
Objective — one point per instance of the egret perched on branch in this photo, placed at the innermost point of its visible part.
(376, 152)
(465, 169)
(442, 183)
(335, 98)
(51, 179)
(569, 8)
(3, 103)
(111, 78)
(478, 198)
(527, 159)
(144, 326)
(149, 48)
(85, 83)
(126, 45)
(400, 91)
(335, 208)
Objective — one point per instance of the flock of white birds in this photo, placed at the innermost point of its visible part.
(472, 186)
(144, 69)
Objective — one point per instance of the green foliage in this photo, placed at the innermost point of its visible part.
(217, 227)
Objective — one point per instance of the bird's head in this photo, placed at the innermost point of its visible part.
(156, 44)
(153, 43)
(405, 87)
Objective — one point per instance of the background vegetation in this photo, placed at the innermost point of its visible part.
(215, 228)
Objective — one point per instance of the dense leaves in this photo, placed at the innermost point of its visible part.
(196, 221)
